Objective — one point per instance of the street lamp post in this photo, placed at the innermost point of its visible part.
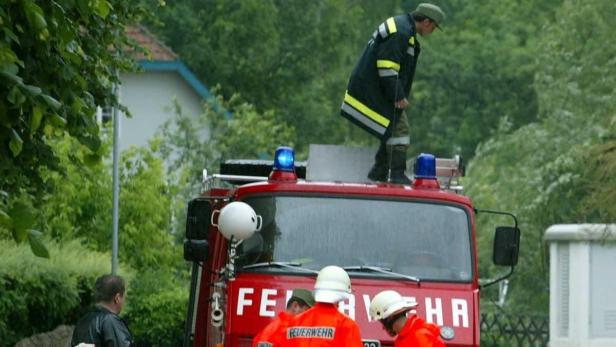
(116, 182)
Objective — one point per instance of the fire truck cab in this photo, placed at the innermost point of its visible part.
(287, 223)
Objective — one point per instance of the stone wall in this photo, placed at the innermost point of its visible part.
(60, 337)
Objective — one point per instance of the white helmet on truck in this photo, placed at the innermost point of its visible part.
(238, 220)
(332, 285)
(388, 303)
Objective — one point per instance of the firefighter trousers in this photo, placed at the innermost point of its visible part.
(391, 154)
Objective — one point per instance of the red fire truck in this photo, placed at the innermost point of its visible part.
(417, 239)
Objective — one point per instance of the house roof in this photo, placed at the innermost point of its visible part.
(181, 69)
(164, 59)
(158, 51)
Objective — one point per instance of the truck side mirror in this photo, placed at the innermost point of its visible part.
(198, 219)
(506, 246)
(195, 250)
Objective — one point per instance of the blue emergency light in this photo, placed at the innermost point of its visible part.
(425, 166)
(284, 159)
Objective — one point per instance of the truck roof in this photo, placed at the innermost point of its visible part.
(334, 169)
(384, 190)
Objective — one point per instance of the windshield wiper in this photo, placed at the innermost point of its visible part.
(282, 264)
(385, 271)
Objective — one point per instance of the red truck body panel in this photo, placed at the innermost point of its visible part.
(255, 297)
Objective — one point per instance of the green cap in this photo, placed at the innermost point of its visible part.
(431, 11)
(304, 295)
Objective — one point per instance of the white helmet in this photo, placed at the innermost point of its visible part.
(239, 220)
(388, 303)
(332, 285)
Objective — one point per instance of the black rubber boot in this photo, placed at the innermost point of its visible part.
(399, 177)
(378, 173)
(398, 166)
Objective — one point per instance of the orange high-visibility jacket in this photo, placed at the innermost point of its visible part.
(417, 332)
(272, 333)
(322, 326)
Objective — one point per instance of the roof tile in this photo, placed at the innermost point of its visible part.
(145, 39)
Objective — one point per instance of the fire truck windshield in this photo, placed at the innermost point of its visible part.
(425, 240)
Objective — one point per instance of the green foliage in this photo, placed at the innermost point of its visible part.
(80, 208)
(145, 216)
(157, 308)
(18, 222)
(294, 58)
(505, 74)
(249, 134)
(40, 294)
(302, 54)
(195, 143)
(81, 200)
(213, 36)
(58, 60)
(476, 73)
(192, 144)
(599, 183)
(554, 171)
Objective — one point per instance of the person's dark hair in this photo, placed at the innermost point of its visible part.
(297, 300)
(107, 286)
(388, 323)
(418, 17)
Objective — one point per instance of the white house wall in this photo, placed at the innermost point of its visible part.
(149, 97)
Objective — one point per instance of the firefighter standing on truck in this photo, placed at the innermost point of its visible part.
(323, 325)
(398, 318)
(377, 92)
(300, 301)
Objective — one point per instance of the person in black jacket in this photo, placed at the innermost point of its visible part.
(380, 84)
(102, 326)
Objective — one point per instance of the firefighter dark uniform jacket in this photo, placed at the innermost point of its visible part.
(271, 335)
(383, 76)
(322, 326)
(417, 332)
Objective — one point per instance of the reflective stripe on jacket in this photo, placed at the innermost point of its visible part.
(383, 75)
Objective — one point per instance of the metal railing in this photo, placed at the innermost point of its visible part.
(504, 330)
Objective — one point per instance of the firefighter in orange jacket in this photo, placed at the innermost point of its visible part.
(323, 325)
(392, 310)
(300, 301)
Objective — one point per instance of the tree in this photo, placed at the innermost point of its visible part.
(554, 170)
(193, 144)
(293, 58)
(303, 53)
(77, 218)
(478, 71)
(58, 60)
(231, 43)
(78, 210)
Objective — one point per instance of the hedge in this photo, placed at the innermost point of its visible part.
(37, 294)
(157, 307)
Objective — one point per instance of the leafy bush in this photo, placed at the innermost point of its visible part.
(156, 311)
(40, 294)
